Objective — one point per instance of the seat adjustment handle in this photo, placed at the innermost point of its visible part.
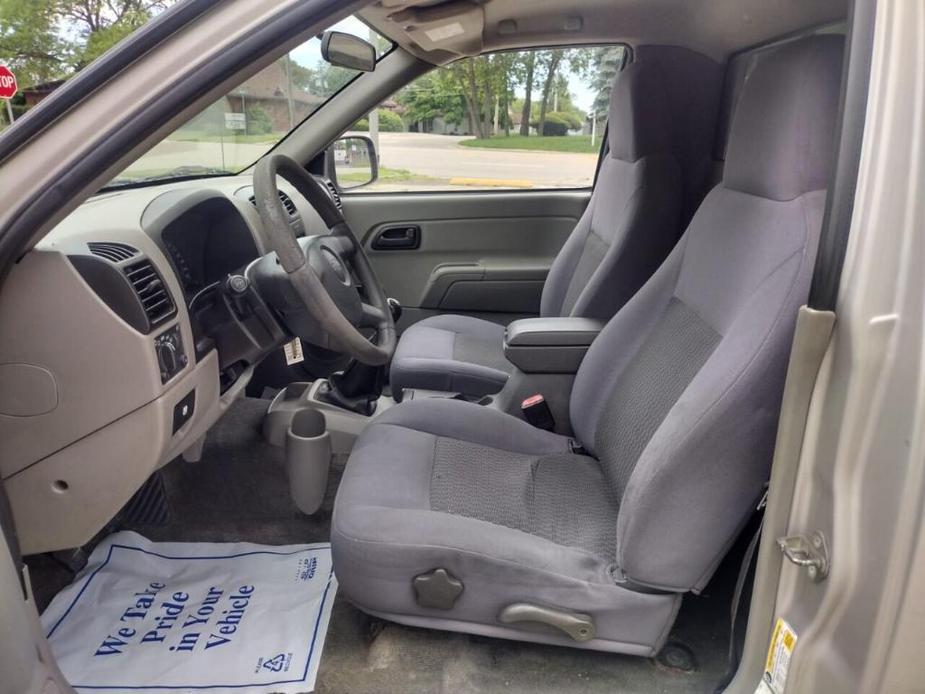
(577, 625)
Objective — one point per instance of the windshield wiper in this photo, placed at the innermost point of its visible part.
(189, 172)
(178, 173)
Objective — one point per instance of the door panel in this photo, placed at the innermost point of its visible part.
(479, 253)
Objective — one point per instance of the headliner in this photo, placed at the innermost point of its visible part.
(715, 28)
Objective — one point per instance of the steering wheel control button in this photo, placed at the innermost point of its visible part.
(183, 411)
(171, 358)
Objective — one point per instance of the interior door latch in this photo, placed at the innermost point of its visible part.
(812, 553)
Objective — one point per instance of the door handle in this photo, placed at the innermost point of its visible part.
(404, 237)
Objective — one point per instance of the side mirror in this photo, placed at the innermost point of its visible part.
(346, 50)
(352, 162)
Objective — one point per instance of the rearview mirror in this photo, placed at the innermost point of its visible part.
(346, 50)
(352, 162)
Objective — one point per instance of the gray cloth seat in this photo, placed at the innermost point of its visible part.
(451, 353)
(675, 408)
(631, 223)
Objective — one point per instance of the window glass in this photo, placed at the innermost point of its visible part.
(248, 121)
(515, 120)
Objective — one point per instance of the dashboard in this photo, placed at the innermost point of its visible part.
(207, 243)
(119, 350)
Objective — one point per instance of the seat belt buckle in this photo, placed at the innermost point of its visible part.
(536, 412)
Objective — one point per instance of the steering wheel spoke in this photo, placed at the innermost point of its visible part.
(371, 317)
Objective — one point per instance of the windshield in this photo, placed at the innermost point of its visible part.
(246, 123)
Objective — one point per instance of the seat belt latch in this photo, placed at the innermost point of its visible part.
(537, 412)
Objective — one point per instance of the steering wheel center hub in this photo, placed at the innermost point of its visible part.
(336, 265)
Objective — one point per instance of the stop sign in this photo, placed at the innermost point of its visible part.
(7, 83)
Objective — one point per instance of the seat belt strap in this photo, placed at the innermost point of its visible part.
(732, 657)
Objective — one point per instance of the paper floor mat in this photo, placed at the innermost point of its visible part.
(211, 617)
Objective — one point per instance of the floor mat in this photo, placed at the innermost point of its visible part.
(168, 616)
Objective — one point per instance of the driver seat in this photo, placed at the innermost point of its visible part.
(460, 517)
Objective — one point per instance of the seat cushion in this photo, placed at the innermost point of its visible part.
(503, 507)
(456, 354)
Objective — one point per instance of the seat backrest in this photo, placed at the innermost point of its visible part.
(635, 214)
(679, 395)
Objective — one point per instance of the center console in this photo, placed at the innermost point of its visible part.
(549, 345)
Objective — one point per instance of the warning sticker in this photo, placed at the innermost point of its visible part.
(293, 352)
(783, 641)
(442, 33)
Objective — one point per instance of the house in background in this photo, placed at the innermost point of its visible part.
(33, 95)
(269, 90)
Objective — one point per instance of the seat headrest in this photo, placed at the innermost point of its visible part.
(640, 113)
(782, 135)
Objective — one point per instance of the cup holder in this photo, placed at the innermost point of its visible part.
(308, 459)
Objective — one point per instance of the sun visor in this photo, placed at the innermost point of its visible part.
(454, 27)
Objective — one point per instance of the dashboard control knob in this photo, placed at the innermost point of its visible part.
(167, 357)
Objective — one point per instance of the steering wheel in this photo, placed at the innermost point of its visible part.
(321, 271)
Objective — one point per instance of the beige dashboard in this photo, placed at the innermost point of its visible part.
(87, 412)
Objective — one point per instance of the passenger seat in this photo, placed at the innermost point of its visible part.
(631, 223)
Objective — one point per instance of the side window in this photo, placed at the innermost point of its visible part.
(513, 120)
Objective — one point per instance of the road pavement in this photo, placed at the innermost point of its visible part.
(442, 157)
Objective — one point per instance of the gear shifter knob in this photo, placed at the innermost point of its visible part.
(395, 308)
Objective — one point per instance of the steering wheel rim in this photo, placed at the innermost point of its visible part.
(304, 278)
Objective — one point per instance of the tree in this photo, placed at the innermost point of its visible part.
(28, 41)
(556, 124)
(32, 41)
(101, 24)
(389, 122)
(258, 121)
(477, 80)
(550, 61)
(605, 64)
(526, 110)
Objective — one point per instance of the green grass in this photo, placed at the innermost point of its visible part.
(580, 144)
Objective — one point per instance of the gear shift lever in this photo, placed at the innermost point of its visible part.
(356, 388)
(395, 307)
(359, 386)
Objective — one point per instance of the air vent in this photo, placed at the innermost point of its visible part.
(151, 291)
(114, 252)
(335, 196)
(286, 200)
